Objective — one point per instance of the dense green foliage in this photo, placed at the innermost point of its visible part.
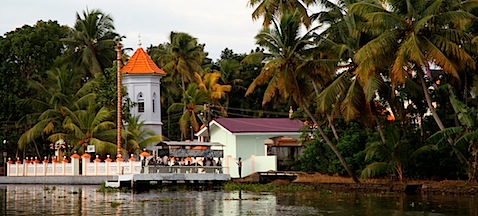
(388, 88)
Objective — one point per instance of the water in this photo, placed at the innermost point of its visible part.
(84, 200)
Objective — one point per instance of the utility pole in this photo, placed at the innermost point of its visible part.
(206, 118)
(119, 108)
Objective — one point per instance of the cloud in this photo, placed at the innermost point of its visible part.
(217, 23)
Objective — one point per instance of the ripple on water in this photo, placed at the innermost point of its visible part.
(85, 200)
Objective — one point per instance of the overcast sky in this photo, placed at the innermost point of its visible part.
(216, 23)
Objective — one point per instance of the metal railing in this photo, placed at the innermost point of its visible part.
(183, 169)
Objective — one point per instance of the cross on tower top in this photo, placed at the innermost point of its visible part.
(139, 40)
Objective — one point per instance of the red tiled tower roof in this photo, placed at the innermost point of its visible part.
(141, 63)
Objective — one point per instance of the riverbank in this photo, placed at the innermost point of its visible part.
(304, 181)
(319, 182)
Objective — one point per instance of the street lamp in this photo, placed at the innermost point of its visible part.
(4, 155)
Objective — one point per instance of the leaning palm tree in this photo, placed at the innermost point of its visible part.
(411, 34)
(289, 69)
(138, 136)
(191, 105)
(91, 43)
(348, 95)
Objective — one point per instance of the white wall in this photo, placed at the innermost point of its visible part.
(248, 145)
(148, 85)
(223, 137)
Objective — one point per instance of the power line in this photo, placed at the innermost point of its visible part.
(258, 111)
(236, 114)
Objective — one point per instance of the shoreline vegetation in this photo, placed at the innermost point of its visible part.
(326, 184)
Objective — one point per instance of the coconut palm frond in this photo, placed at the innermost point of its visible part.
(375, 169)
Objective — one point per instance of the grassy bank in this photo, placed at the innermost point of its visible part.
(276, 186)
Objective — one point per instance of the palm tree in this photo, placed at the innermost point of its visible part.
(214, 90)
(89, 126)
(409, 35)
(138, 137)
(347, 95)
(91, 44)
(192, 105)
(60, 94)
(464, 136)
(271, 9)
(289, 70)
(391, 155)
(231, 75)
(182, 58)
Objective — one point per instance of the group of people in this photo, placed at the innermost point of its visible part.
(165, 160)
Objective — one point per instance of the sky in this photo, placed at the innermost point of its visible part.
(216, 23)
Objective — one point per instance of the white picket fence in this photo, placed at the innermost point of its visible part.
(111, 168)
(65, 168)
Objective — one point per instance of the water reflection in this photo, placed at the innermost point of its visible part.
(84, 200)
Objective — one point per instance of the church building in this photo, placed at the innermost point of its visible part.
(142, 79)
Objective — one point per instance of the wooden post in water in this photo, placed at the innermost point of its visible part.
(120, 99)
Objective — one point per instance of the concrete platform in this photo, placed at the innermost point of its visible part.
(179, 177)
(57, 180)
(159, 178)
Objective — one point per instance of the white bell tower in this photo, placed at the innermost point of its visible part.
(142, 79)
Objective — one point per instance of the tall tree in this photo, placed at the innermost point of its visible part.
(89, 126)
(58, 95)
(215, 90)
(273, 9)
(289, 69)
(347, 95)
(230, 75)
(182, 58)
(191, 105)
(91, 43)
(412, 34)
(26, 54)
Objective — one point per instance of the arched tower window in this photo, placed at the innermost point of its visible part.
(140, 102)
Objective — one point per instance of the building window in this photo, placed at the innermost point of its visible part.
(140, 102)
(153, 106)
(140, 106)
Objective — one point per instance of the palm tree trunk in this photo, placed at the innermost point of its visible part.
(332, 126)
(36, 148)
(436, 117)
(429, 102)
(183, 132)
(379, 129)
(399, 171)
(332, 146)
(329, 118)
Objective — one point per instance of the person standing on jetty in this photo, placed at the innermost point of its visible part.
(239, 167)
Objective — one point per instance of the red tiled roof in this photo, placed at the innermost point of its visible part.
(141, 63)
(251, 125)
